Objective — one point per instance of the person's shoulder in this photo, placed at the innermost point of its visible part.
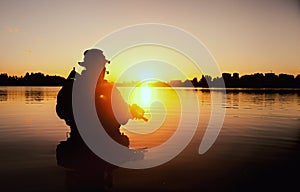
(108, 85)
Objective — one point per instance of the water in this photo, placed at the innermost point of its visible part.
(257, 148)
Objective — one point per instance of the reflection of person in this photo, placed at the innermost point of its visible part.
(112, 111)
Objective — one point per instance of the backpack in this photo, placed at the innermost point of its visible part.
(64, 99)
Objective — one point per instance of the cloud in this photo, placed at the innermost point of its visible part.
(12, 29)
(29, 51)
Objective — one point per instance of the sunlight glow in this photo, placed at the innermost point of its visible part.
(146, 95)
(151, 61)
(141, 95)
(158, 103)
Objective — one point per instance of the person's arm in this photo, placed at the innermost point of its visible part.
(120, 108)
(123, 111)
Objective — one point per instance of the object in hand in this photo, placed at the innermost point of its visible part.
(137, 112)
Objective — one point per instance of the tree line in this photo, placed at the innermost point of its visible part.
(31, 79)
(256, 80)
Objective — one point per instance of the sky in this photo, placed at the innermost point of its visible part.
(243, 36)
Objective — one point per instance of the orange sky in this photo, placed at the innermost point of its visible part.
(243, 36)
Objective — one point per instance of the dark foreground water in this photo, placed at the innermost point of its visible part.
(258, 148)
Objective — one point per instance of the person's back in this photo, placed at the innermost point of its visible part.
(64, 104)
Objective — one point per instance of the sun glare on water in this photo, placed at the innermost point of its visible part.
(159, 104)
(142, 96)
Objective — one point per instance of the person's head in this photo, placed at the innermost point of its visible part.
(92, 58)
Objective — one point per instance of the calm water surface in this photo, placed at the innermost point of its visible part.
(258, 146)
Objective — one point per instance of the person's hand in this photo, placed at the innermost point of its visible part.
(137, 112)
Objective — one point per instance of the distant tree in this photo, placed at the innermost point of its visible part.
(218, 82)
(203, 82)
(195, 82)
(3, 78)
(271, 80)
(176, 83)
(286, 80)
(297, 81)
(227, 79)
(235, 81)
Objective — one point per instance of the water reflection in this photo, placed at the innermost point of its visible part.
(258, 147)
(34, 95)
(85, 171)
(80, 182)
(31, 95)
(261, 101)
(3, 95)
(233, 100)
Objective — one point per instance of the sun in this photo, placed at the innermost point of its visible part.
(146, 94)
(141, 95)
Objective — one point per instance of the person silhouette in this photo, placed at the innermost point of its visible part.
(112, 112)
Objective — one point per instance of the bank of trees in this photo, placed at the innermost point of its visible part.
(31, 79)
(257, 80)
